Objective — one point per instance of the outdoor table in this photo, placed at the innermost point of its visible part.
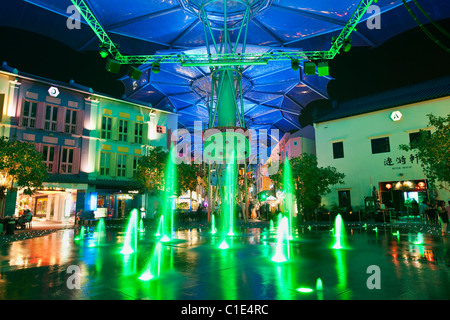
(9, 224)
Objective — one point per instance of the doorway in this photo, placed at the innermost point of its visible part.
(120, 208)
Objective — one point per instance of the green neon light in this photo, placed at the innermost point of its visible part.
(229, 58)
(319, 284)
(223, 63)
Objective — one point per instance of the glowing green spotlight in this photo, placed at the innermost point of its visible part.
(146, 276)
(319, 284)
(420, 239)
(304, 290)
(224, 245)
(165, 238)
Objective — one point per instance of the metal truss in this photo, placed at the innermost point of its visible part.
(221, 58)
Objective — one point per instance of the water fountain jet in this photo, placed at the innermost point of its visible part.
(130, 243)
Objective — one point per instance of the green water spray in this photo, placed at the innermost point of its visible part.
(319, 284)
(288, 187)
(339, 232)
(282, 245)
(160, 223)
(101, 231)
(170, 187)
(81, 234)
(420, 239)
(153, 268)
(213, 225)
(130, 243)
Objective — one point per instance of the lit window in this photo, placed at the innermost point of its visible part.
(338, 150)
(380, 145)
(123, 130)
(135, 164)
(344, 198)
(414, 137)
(66, 160)
(48, 153)
(29, 114)
(105, 162)
(160, 129)
(51, 117)
(106, 127)
(71, 121)
(138, 132)
(121, 165)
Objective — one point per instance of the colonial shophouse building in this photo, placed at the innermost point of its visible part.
(90, 142)
(361, 139)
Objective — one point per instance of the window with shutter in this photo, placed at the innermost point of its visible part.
(70, 124)
(29, 114)
(66, 165)
(51, 118)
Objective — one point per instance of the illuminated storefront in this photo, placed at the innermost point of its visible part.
(49, 203)
(403, 196)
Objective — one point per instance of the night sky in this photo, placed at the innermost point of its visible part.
(405, 59)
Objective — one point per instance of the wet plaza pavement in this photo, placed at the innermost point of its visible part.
(388, 263)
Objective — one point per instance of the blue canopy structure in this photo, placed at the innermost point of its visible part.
(274, 94)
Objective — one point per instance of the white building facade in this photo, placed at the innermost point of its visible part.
(361, 139)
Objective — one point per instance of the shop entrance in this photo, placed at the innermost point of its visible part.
(120, 208)
(41, 207)
(403, 197)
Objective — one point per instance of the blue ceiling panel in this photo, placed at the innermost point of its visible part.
(145, 29)
(273, 94)
(120, 12)
(258, 111)
(148, 94)
(284, 125)
(281, 23)
(187, 96)
(291, 106)
(200, 111)
(179, 104)
(279, 87)
(260, 96)
(292, 117)
(303, 95)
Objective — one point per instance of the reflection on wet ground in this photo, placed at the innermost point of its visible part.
(192, 267)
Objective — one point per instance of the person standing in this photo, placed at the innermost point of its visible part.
(448, 209)
(443, 216)
(423, 210)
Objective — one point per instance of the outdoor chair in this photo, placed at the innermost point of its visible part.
(23, 223)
